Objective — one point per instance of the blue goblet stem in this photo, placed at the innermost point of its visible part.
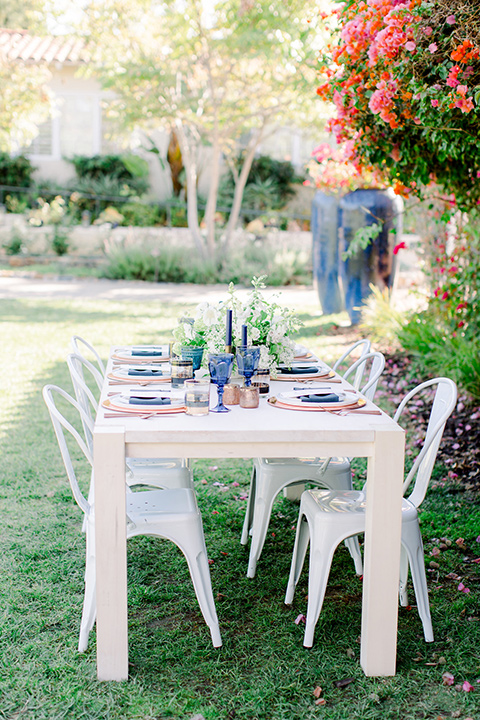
(220, 406)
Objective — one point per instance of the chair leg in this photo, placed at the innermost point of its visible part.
(302, 539)
(403, 593)
(193, 547)
(248, 521)
(412, 539)
(89, 611)
(261, 518)
(354, 549)
(319, 570)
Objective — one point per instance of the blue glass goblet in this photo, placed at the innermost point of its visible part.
(248, 357)
(220, 367)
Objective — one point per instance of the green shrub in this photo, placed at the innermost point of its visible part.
(60, 240)
(158, 265)
(166, 264)
(15, 171)
(270, 184)
(14, 245)
(142, 215)
(129, 171)
(438, 351)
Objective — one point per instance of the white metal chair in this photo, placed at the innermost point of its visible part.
(159, 473)
(271, 475)
(79, 345)
(327, 517)
(170, 514)
(363, 346)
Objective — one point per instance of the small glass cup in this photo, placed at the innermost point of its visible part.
(249, 397)
(263, 387)
(181, 370)
(197, 396)
(231, 394)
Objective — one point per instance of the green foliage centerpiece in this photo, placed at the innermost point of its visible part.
(269, 326)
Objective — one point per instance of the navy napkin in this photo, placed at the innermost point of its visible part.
(148, 351)
(325, 398)
(149, 400)
(144, 372)
(299, 370)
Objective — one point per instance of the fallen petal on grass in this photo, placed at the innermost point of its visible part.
(448, 678)
(300, 619)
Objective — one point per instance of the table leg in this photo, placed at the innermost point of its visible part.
(382, 553)
(111, 553)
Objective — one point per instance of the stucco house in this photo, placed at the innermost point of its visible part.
(78, 125)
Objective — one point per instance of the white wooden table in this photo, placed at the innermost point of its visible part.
(246, 433)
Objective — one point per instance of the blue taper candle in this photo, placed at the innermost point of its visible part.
(228, 339)
(244, 334)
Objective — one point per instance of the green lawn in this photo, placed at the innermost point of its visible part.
(262, 672)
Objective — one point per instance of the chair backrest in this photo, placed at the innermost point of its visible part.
(77, 366)
(364, 346)
(79, 345)
(443, 404)
(377, 366)
(60, 424)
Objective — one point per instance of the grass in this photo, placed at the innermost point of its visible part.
(262, 672)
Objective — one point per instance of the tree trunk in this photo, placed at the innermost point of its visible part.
(212, 197)
(238, 195)
(190, 164)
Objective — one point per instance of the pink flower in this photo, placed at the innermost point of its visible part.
(428, 30)
(434, 103)
(451, 19)
(410, 46)
(401, 246)
(445, 295)
(467, 687)
(433, 47)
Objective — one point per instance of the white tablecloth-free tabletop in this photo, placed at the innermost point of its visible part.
(249, 433)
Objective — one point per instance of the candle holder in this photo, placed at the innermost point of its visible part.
(249, 397)
(231, 394)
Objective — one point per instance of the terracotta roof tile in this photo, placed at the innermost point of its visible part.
(20, 45)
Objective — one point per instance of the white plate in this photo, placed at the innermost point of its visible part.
(121, 373)
(122, 402)
(127, 353)
(321, 371)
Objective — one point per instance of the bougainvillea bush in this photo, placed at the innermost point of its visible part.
(404, 76)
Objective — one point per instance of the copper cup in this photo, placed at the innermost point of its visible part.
(249, 397)
(231, 394)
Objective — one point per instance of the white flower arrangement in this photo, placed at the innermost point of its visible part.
(269, 325)
(206, 329)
